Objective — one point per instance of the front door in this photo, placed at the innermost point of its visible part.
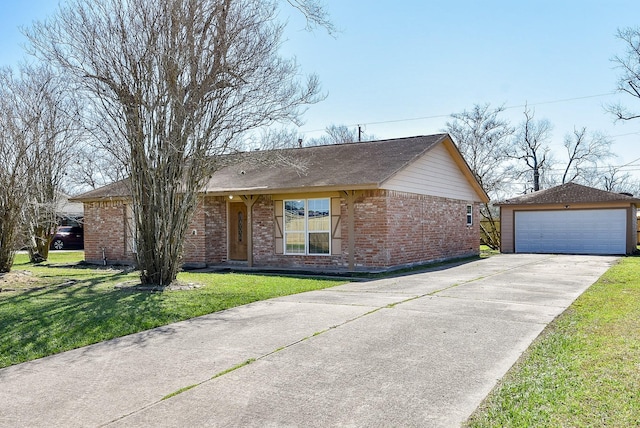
(237, 231)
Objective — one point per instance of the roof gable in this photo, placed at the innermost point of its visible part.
(436, 173)
(569, 193)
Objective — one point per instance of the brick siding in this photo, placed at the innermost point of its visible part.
(215, 210)
(394, 228)
(104, 227)
(194, 251)
(391, 229)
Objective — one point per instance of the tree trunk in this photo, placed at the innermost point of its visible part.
(7, 241)
(39, 248)
(491, 233)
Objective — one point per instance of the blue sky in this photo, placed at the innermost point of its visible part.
(400, 68)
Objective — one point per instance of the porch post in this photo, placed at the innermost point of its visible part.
(350, 197)
(249, 201)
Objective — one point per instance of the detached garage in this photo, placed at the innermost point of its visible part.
(569, 219)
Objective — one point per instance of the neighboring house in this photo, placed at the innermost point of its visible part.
(358, 206)
(570, 219)
(70, 213)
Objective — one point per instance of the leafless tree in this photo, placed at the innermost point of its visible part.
(484, 140)
(52, 116)
(613, 178)
(181, 81)
(92, 166)
(629, 65)
(340, 134)
(530, 146)
(15, 147)
(584, 151)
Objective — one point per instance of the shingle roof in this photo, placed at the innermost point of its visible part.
(351, 166)
(569, 193)
(117, 189)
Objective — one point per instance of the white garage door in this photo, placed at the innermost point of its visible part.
(571, 231)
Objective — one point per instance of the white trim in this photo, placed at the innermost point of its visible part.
(305, 230)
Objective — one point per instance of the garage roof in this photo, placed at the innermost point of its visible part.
(569, 193)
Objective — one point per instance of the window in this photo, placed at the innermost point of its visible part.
(469, 215)
(307, 226)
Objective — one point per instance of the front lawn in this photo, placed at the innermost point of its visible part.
(584, 369)
(50, 308)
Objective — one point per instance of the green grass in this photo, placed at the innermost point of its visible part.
(584, 370)
(62, 308)
(485, 251)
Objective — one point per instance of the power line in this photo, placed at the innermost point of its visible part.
(562, 100)
(440, 116)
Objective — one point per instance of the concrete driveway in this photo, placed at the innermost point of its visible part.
(418, 350)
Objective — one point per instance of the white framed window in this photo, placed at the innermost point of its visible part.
(469, 215)
(307, 226)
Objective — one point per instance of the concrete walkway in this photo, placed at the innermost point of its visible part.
(419, 350)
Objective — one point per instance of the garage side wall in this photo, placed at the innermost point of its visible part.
(632, 227)
(507, 243)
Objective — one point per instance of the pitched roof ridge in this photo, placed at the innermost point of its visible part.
(352, 143)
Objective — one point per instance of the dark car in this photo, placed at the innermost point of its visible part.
(68, 238)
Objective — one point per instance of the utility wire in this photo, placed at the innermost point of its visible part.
(440, 116)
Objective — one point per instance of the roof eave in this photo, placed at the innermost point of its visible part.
(284, 190)
(101, 199)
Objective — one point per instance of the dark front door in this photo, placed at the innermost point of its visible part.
(237, 231)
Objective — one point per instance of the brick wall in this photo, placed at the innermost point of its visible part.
(104, 227)
(394, 228)
(215, 221)
(391, 229)
(431, 228)
(371, 230)
(194, 251)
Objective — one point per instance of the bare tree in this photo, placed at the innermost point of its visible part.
(530, 146)
(181, 81)
(614, 179)
(15, 149)
(484, 140)
(42, 101)
(629, 65)
(91, 167)
(584, 151)
(340, 134)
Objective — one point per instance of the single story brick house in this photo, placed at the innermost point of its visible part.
(360, 206)
(569, 219)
